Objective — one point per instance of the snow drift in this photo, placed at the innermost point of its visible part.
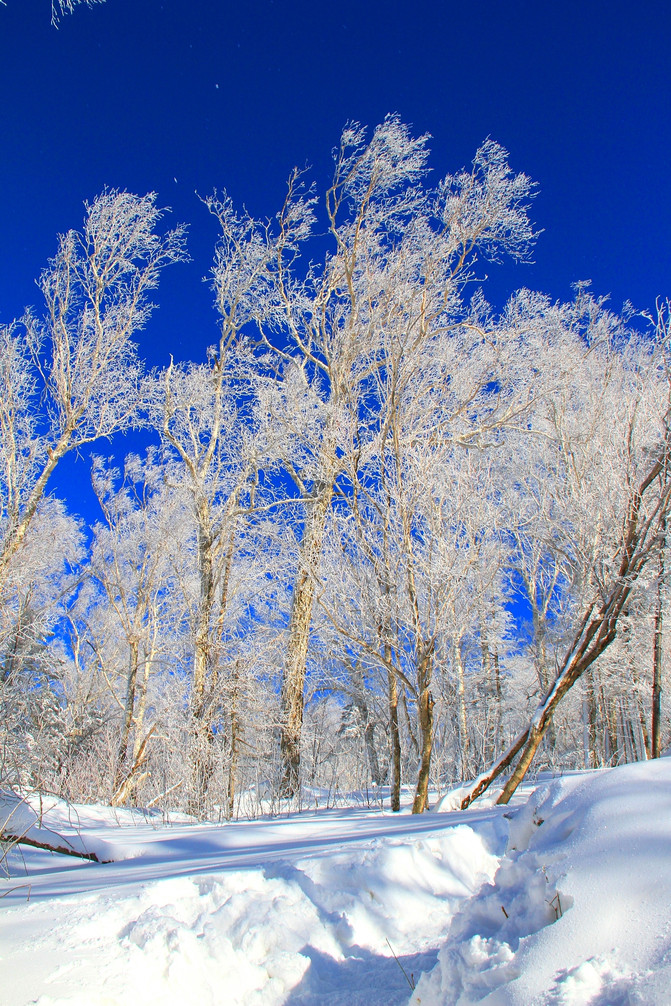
(562, 899)
(579, 910)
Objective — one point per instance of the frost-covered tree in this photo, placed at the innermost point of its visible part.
(137, 558)
(420, 535)
(39, 586)
(207, 420)
(400, 256)
(325, 572)
(73, 376)
(604, 431)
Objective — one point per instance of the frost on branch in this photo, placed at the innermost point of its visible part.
(61, 7)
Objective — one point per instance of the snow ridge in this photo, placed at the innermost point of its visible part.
(577, 912)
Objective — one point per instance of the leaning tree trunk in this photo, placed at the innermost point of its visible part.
(596, 632)
(135, 774)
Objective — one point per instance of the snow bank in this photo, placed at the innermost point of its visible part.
(321, 928)
(564, 899)
(579, 910)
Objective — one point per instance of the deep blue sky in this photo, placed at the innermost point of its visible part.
(138, 93)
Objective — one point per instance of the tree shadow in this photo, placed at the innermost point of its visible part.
(361, 979)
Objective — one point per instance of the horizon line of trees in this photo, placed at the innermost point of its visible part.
(384, 534)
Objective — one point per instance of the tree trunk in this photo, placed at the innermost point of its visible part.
(461, 707)
(359, 698)
(201, 757)
(539, 621)
(293, 683)
(642, 726)
(202, 641)
(656, 745)
(492, 685)
(498, 721)
(646, 748)
(593, 760)
(395, 742)
(426, 704)
(236, 733)
(122, 752)
(610, 709)
(134, 775)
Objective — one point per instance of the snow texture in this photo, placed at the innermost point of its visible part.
(579, 910)
(562, 899)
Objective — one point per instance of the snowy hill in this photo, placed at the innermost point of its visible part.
(561, 898)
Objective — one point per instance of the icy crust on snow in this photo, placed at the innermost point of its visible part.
(579, 909)
(314, 930)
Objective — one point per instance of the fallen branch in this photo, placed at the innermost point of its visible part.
(50, 847)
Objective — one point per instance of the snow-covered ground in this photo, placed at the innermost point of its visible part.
(563, 897)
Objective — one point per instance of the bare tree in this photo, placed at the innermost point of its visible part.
(136, 559)
(611, 460)
(73, 377)
(401, 255)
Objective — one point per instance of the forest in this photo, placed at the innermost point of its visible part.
(386, 534)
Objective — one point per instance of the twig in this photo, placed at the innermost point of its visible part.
(19, 887)
(556, 907)
(410, 980)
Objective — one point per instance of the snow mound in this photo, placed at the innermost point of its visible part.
(578, 911)
(322, 928)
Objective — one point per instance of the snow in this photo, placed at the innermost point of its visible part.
(586, 887)
(562, 898)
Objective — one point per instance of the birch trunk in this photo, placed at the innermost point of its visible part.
(461, 705)
(395, 742)
(293, 683)
(656, 746)
(122, 752)
(593, 760)
(201, 704)
(425, 717)
(236, 734)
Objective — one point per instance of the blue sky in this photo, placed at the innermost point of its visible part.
(184, 95)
